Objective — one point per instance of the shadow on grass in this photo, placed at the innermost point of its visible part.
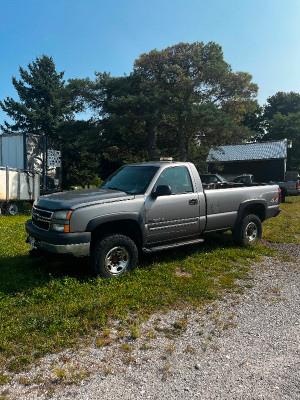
(22, 273)
(212, 241)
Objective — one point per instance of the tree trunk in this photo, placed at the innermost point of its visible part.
(151, 140)
(182, 148)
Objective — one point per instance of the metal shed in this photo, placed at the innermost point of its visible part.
(266, 161)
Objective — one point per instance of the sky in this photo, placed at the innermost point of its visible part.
(261, 37)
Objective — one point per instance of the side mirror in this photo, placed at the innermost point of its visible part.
(162, 190)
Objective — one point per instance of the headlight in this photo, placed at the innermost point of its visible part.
(66, 214)
(61, 221)
(58, 227)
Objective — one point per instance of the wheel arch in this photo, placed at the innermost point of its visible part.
(256, 207)
(126, 226)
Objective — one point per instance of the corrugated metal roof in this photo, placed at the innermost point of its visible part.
(249, 151)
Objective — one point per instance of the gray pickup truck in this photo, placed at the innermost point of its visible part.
(146, 207)
(288, 188)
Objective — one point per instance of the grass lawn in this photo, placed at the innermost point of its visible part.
(48, 303)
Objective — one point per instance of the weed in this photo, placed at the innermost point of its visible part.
(128, 360)
(166, 370)
(76, 375)
(100, 342)
(4, 379)
(107, 371)
(60, 374)
(214, 347)
(189, 349)
(135, 330)
(170, 348)
(25, 381)
(126, 348)
(151, 334)
(145, 346)
(167, 367)
(121, 334)
(106, 341)
(180, 325)
(229, 325)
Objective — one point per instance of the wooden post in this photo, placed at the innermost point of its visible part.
(19, 184)
(7, 183)
(33, 185)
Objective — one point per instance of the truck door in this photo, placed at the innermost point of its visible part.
(176, 215)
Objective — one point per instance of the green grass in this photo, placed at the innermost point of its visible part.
(47, 304)
(286, 227)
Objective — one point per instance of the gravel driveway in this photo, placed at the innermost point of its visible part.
(244, 347)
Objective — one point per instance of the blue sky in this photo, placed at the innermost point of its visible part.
(261, 37)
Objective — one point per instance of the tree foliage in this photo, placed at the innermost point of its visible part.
(179, 101)
(282, 120)
(43, 101)
(174, 99)
(81, 154)
(283, 103)
(206, 100)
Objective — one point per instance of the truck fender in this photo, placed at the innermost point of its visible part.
(256, 206)
(113, 218)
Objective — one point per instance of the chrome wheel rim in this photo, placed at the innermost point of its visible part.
(117, 260)
(251, 231)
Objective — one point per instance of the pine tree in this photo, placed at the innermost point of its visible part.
(44, 103)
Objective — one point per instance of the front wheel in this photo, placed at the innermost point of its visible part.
(249, 231)
(113, 255)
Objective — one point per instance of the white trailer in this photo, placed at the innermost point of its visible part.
(36, 153)
(17, 185)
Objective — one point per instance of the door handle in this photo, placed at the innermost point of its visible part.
(193, 202)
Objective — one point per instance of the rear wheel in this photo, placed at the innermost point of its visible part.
(12, 209)
(249, 231)
(113, 255)
(9, 209)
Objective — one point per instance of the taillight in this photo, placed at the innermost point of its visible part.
(279, 196)
(298, 185)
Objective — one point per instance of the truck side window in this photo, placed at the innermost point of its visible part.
(178, 178)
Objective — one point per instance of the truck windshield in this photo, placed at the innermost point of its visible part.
(130, 179)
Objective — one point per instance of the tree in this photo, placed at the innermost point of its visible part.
(206, 101)
(128, 110)
(253, 120)
(81, 153)
(173, 100)
(282, 120)
(283, 103)
(44, 103)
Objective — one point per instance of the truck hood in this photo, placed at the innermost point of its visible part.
(80, 198)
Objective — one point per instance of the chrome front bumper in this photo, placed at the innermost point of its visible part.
(76, 244)
(77, 250)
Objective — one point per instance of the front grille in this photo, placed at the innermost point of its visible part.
(41, 218)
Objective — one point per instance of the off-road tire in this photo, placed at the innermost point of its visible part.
(249, 231)
(113, 255)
